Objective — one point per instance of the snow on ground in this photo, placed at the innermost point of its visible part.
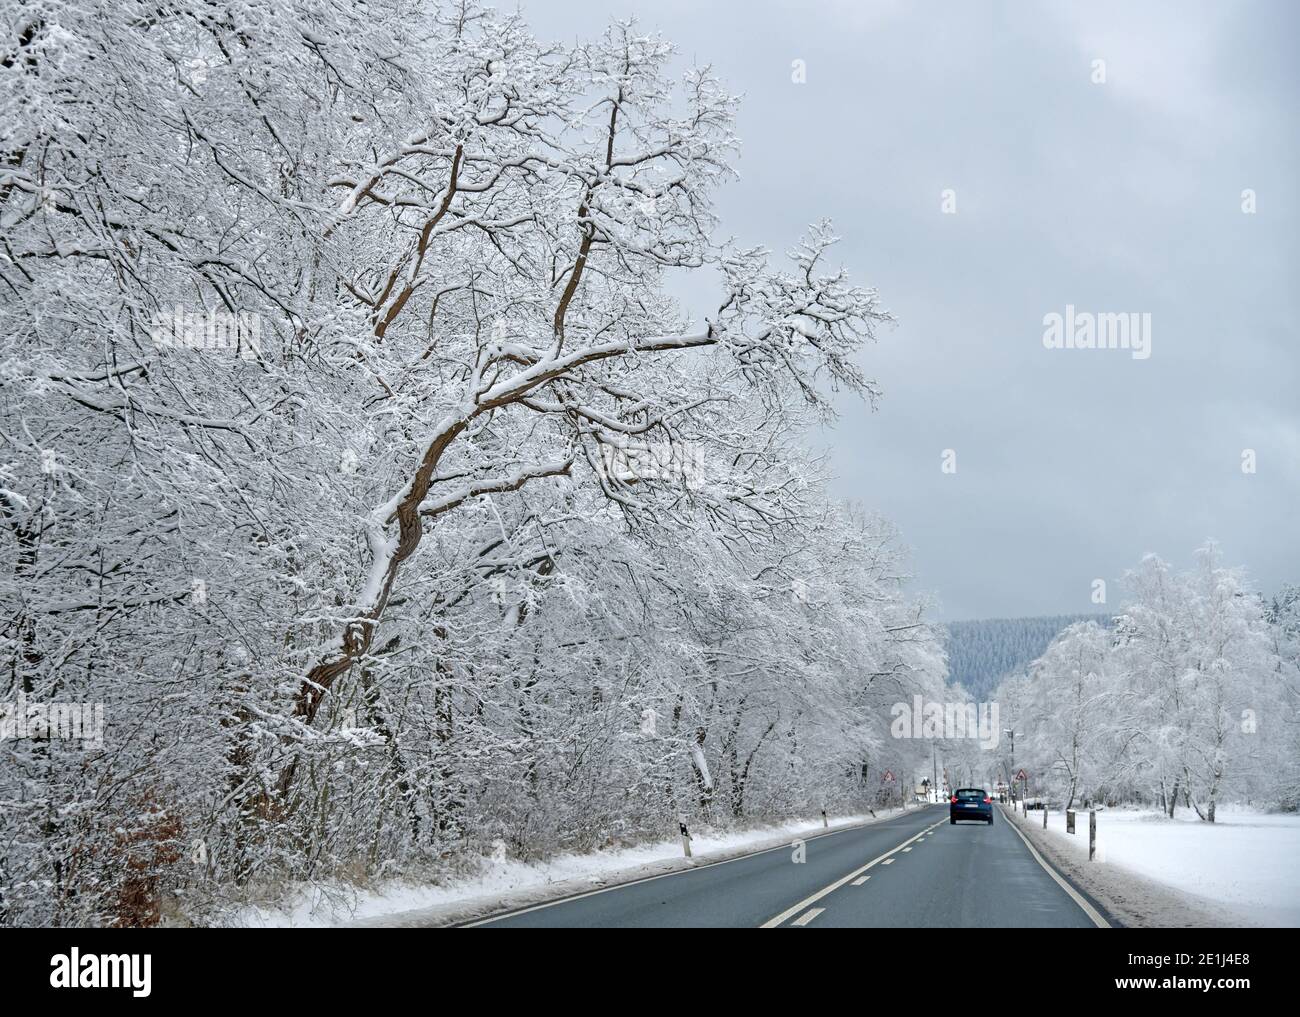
(504, 883)
(1245, 860)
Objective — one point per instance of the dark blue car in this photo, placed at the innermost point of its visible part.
(970, 803)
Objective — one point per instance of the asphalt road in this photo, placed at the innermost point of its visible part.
(913, 871)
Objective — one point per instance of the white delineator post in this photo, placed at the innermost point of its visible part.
(1092, 834)
(686, 838)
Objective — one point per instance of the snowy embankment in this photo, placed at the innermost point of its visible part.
(1244, 862)
(502, 883)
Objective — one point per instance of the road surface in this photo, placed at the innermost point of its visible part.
(914, 871)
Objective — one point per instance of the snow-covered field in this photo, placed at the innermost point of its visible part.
(499, 880)
(1247, 861)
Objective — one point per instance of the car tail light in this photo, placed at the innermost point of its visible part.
(988, 801)
(953, 799)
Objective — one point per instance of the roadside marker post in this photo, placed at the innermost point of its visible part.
(1092, 834)
(686, 838)
(1069, 820)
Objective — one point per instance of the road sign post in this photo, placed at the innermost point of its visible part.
(888, 778)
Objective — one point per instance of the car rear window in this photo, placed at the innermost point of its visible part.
(971, 794)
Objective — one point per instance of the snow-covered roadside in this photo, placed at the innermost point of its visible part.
(503, 884)
(1241, 870)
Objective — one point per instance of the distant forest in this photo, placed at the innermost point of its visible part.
(981, 652)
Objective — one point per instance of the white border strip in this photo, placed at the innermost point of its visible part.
(1078, 898)
(772, 923)
(702, 864)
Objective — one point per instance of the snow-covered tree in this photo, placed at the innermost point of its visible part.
(1069, 693)
(1189, 701)
(356, 458)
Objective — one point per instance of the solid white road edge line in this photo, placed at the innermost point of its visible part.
(511, 912)
(1088, 909)
(791, 912)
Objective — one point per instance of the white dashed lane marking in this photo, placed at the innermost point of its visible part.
(803, 905)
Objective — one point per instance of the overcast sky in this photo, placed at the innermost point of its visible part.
(1113, 197)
